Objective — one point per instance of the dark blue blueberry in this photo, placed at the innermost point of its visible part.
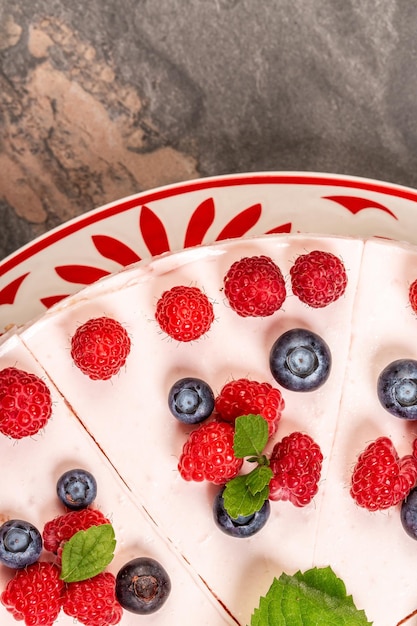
(20, 544)
(300, 360)
(409, 513)
(241, 526)
(191, 400)
(142, 586)
(397, 388)
(77, 489)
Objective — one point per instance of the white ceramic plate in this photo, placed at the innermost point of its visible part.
(201, 211)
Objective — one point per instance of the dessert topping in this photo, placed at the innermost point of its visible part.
(318, 278)
(254, 286)
(184, 313)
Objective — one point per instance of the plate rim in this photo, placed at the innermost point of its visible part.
(121, 205)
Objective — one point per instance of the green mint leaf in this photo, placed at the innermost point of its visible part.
(258, 479)
(239, 500)
(316, 597)
(251, 435)
(87, 553)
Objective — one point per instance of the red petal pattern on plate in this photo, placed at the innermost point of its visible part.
(284, 228)
(83, 274)
(115, 250)
(8, 293)
(354, 204)
(239, 225)
(153, 232)
(199, 223)
(50, 300)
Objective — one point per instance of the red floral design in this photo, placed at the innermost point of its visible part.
(8, 293)
(115, 250)
(355, 204)
(82, 274)
(156, 240)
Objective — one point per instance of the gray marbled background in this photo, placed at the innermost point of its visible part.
(102, 99)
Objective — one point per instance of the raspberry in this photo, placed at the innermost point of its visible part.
(296, 462)
(25, 403)
(184, 313)
(380, 478)
(208, 454)
(243, 396)
(93, 602)
(412, 296)
(35, 594)
(254, 286)
(57, 531)
(318, 278)
(100, 347)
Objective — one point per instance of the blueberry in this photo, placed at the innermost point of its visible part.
(397, 388)
(242, 526)
(77, 489)
(409, 513)
(191, 400)
(20, 544)
(300, 360)
(142, 586)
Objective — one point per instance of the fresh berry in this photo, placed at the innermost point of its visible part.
(25, 403)
(184, 313)
(100, 347)
(93, 601)
(77, 489)
(244, 397)
(380, 478)
(57, 531)
(254, 286)
(296, 462)
(242, 526)
(412, 295)
(35, 594)
(300, 360)
(397, 388)
(409, 513)
(191, 400)
(208, 454)
(142, 586)
(318, 278)
(20, 543)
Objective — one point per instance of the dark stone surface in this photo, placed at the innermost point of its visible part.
(102, 99)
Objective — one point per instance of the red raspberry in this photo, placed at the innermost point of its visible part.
(412, 296)
(93, 602)
(243, 396)
(25, 403)
(254, 286)
(35, 594)
(57, 531)
(380, 478)
(208, 454)
(100, 347)
(184, 313)
(296, 462)
(318, 278)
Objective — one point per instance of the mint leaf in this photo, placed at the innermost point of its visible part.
(258, 479)
(87, 553)
(251, 435)
(316, 597)
(239, 500)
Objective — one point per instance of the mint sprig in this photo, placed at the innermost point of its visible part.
(316, 596)
(87, 553)
(246, 494)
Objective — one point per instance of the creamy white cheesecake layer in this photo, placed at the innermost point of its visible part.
(30, 469)
(371, 550)
(129, 418)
